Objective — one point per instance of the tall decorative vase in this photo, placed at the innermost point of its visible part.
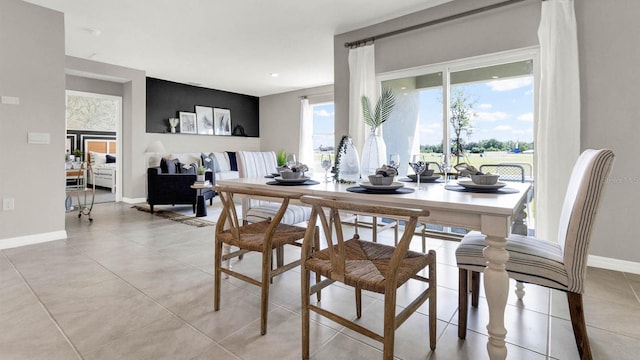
(374, 153)
(349, 160)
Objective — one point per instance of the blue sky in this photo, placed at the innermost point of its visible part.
(323, 124)
(503, 110)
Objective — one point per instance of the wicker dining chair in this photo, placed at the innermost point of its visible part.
(262, 236)
(560, 265)
(365, 265)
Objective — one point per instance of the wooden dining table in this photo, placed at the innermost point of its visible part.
(490, 213)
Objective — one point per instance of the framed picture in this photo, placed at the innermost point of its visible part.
(204, 118)
(188, 122)
(222, 121)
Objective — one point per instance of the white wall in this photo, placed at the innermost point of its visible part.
(32, 69)
(280, 118)
(609, 58)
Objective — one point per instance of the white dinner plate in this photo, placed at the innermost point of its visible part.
(468, 184)
(393, 186)
(298, 180)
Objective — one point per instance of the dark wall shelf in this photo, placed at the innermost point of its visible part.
(165, 99)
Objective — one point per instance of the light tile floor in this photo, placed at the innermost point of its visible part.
(136, 286)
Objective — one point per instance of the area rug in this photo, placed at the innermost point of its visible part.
(184, 213)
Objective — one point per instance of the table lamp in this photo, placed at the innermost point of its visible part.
(156, 149)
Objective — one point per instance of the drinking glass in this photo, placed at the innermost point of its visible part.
(325, 162)
(446, 168)
(418, 166)
(394, 160)
(291, 160)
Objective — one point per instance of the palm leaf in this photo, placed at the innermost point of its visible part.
(366, 111)
(384, 108)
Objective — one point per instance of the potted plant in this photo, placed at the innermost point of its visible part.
(281, 158)
(374, 152)
(78, 154)
(200, 173)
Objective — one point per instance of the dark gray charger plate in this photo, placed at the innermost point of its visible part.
(308, 182)
(361, 190)
(504, 190)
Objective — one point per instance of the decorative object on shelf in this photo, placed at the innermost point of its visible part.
(374, 152)
(204, 118)
(222, 121)
(188, 122)
(347, 167)
(238, 130)
(173, 122)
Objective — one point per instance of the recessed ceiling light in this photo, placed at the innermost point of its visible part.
(403, 88)
(495, 77)
(274, 74)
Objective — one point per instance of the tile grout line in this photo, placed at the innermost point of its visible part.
(44, 307)
(157, 303)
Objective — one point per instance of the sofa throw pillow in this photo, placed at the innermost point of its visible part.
(111, 159)
(233, 163)
(222, 161)
(187, 168)
(169, 166)
(208, 161)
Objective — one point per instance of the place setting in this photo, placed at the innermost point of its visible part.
(291, 175)
(475, 181)
(382, 182)
(426, 174)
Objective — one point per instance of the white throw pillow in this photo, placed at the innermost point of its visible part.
(222, 158)
(97, 158)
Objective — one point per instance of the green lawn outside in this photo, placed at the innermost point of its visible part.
(489, 158)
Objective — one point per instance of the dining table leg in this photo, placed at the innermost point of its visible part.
(496, 287)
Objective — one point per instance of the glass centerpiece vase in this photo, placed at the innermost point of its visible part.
(374, 152)
(347, 161)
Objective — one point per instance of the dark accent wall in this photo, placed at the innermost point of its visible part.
(165, 99)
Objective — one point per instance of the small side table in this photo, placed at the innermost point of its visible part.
(201, 209)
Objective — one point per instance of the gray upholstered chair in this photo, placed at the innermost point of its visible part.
(364, 265)
(559, 265)
(261, 164)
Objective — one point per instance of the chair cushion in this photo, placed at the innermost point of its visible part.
(531, 260)
(252, 236)
(366, 264)
(293, 215)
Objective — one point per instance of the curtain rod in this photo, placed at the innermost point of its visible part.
(362, 42)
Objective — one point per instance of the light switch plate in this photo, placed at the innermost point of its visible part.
(11, 100)
(8, 204)
(39, 138)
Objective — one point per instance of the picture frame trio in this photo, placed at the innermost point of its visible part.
(206, 120)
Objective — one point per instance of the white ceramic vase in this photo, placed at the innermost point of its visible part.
(374, 154)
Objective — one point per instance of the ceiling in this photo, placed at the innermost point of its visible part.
(230, 45)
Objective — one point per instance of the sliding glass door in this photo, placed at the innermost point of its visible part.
(477, 111)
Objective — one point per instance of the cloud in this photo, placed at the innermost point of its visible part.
(518, 132)
(323, 113)
(485, 106)
(491, 116)
(510, 84)
(503, 128)
(528, 117)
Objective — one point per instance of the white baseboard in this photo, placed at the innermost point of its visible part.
(134, 200)
(614, 264)
(32, 239)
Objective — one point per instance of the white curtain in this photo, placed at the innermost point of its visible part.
(306, 134)
(557, 144)
(362, 81)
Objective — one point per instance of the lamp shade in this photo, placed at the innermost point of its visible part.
(155, 147)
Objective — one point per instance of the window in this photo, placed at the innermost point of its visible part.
(488, 117)
(323, 131)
